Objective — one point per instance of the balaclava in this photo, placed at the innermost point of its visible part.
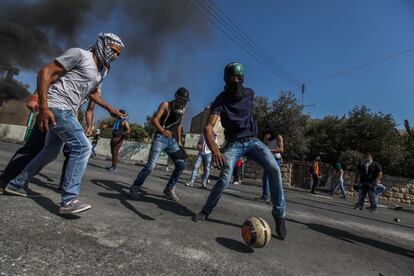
(233, 90)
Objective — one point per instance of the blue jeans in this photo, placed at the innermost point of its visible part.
(66, 131)
(265, 181)
(159, 144)
(380, 189)
(259, 152)
(206, 159)
(93, 151)
(340, 184)
(369, 188)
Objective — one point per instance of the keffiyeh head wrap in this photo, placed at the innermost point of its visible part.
(104, 53)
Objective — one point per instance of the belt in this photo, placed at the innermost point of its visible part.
(242, 139)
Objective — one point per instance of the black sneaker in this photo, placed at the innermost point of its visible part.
(74, 207)
(135, 192)
(356, 206)
(24, 191)
(200, 217)
(280, 228)
(170, 194)
(374, 210)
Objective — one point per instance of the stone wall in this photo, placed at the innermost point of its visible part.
(12, 132)
(131, 151)
(252, 170)
(398, 189)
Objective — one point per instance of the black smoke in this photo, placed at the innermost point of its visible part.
(34, 32)
(12, 89)
(31, 31)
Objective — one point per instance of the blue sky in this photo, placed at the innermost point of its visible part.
(309, 39)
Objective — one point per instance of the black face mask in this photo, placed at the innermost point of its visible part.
(234, 91)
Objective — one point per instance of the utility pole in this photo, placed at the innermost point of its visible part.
(303, 93)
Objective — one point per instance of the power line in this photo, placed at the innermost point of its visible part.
(252, 42)
(241, 40)
(350, 70)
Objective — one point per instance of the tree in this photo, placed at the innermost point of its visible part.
(260, 113)
(287, 119)
(148, 126)
(105, 126)
(138, 133)
(81, 117)
(326, 138)
(374, 133)
(284, 116)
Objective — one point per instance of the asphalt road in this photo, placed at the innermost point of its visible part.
(155, 236)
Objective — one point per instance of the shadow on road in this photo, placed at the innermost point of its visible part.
(42, 184)
(352, 238)
(47, 203)
(234, 245)
(345, 213)
(46, 177)
(96, 166)
(123, 196)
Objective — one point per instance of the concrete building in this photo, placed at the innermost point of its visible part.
(13, 111)
(199, 121)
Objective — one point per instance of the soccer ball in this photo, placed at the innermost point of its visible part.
(256, 232)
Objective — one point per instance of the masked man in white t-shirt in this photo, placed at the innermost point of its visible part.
(63, 85)
(204, 156)
(276, 147)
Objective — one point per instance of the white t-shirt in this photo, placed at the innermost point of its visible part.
(272, 144)
(202, 140)
(70, 90)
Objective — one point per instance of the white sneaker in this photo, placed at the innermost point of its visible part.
(190, 184)
(236, 183)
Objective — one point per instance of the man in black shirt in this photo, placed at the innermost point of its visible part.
(368, 175)
(234, 107)
(168, 121)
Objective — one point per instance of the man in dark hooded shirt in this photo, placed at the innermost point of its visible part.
(234, 106)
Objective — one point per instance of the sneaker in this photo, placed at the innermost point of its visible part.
(356, 206)
(135, 192)
(190, 184)
(200, 217)
(280, 228)
(236, 183)
(170, 194)
(374, 210)
(24, 191)
(111, 169)
(263, 198)
(74, 207)
(204, 185)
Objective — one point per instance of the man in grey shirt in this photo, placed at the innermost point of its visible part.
(63, 85)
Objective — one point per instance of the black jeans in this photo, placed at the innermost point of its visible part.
(23, 156)
(315, 182)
